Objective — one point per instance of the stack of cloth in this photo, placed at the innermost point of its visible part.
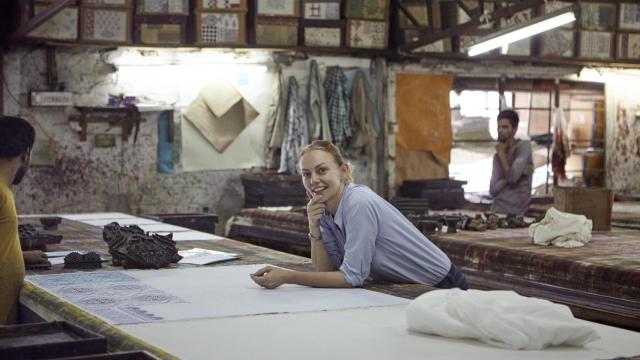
(561, 229)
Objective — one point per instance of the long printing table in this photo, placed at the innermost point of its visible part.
(600, 281)
(205, 312)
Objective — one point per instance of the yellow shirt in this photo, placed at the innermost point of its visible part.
(11, 262)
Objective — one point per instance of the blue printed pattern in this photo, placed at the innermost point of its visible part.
(114, 296)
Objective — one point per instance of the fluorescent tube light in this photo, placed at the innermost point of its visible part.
(523, 31)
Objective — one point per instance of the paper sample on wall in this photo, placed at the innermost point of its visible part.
(220, 113)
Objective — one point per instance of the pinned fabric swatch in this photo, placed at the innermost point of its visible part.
(220, 113)
(561, 229)
(500, 318)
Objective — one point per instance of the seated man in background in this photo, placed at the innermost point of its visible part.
(512, 168)
(16, 140)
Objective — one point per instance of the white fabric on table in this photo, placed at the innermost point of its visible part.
(500, 318)
(561, 229)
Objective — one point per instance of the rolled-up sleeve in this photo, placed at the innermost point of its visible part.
(361, 227)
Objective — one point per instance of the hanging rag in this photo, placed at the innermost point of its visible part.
(296, 127)
(561, 229)
(338, 106)
(364, 134)
(317, 105)
(561, 149)
(499, 318)
(220, 113)
(275, 122)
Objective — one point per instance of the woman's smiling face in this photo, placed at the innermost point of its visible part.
(323, 177)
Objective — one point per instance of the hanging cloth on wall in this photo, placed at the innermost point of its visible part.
(220, 113)
(318, 118)
(296, 130)
(275, 122)
(561, 149)
(338, 106)
(364, 133)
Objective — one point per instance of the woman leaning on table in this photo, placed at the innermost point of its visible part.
(356, 235)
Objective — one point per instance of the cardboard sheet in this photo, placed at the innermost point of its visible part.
(139, 296)
(373, 333)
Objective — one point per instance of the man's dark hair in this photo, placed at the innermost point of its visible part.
(16, 136)
(510, 115)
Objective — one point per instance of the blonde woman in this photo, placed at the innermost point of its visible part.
(356, 235)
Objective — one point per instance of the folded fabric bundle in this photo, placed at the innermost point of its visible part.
(561, 229)
(500, 318)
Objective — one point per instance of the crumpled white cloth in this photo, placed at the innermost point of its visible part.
(500, 318)
(561, 229)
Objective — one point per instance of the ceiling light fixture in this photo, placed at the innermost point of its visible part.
(522, 31)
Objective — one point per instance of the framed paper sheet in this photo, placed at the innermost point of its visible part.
(522, 47)
(221, 5)
(629, 16)
(597, 16)
(595, 44)
(101, 3)
(61, 26)
(552, 6)
(272, 31)
(367, 34)
(221, 28)
(629, 46)
(105, 25)
(557, 43)
(158, 34)
(322, 10)
(439, 46)
(277, 8)
(322, 36)
(367, 9)
(155, 7)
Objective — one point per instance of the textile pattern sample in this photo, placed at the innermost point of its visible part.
(220, 28)
(322, 37)
(367, 34)
(322, 11)
(594, 44)
(277, 7)
(367, 9)
(597, 16)
(629, 46)
(106, 25)
(114, 296)
(221, 4)
(557, 43)
(629, 16)
(166, 6)
(61, 26)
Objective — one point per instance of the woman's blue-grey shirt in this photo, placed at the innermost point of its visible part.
(369, 238)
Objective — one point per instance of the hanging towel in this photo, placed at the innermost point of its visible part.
(274, 133)
(364, 134)
(318, 117)
(220, 113)
(296, 129)
(338, 106)
(499, 318)
(561, 229)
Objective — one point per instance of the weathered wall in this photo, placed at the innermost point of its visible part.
(123, 178)
(89, 179)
